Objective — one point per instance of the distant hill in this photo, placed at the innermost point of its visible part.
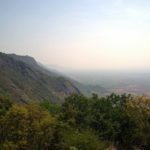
(24, 79)
(88, 89)
(85, 88)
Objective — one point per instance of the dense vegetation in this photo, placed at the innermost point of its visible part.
(113, 122)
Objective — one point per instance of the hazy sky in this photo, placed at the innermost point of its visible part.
(83, 34)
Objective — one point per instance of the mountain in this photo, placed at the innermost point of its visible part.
(24, 80)
(88, 89)
(85, 88)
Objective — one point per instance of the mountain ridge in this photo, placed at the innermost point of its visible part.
(24, 79)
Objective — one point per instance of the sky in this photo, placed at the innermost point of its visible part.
(78, 34)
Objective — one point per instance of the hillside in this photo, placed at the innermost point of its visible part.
(88, 89)
(23, 79)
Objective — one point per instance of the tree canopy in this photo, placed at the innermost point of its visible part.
(80, 123)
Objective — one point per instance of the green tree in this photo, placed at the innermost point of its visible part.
(83, 140)
(107, 116)
(76, 109)
(26, 127)
(52, 108)
(5, 104)
(138, 112)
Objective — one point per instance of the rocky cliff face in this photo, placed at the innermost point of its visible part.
(24, 80)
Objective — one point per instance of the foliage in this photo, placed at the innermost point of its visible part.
(121, 119)
(138, 112)
(76, 110)
(52, 108)
(80, 123)
(84, 140)
(26, 127)
(5, 104)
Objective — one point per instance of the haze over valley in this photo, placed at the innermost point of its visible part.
(136, 82)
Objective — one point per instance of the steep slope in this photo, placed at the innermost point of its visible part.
(23, 79)
(74, 76)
